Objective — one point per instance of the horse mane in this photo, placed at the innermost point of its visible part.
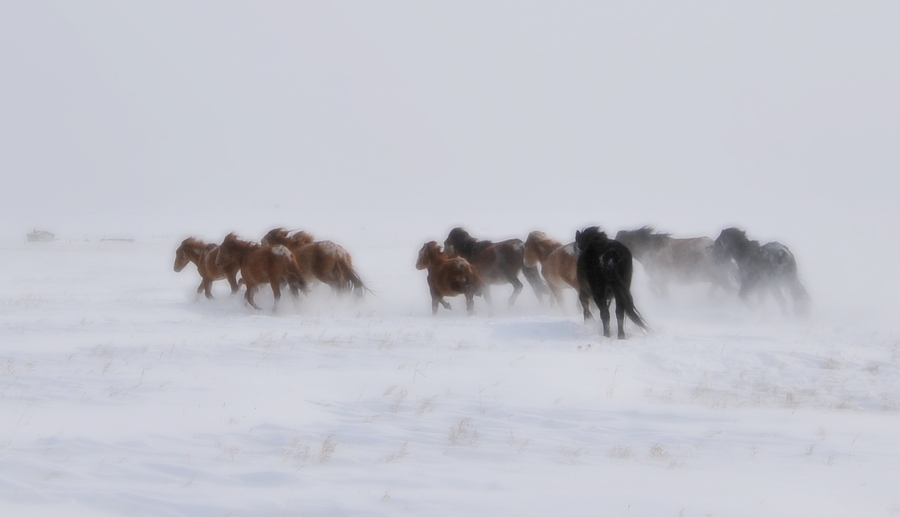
(591, 234)
(193, 242)
(233, 240)
(465, 244)
(735, 240)
(300, 238)
(537, 235)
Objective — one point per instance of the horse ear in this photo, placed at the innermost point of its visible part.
(577, 234)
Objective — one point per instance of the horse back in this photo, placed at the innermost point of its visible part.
(501, 259)
(561, 265)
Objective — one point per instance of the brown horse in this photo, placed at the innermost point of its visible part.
(449, 277)
(682, 261)
(322, 261)
(497, 263)
(558, 264)
(204, 257)
(261, 264)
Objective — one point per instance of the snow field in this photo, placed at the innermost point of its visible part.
(121, 394)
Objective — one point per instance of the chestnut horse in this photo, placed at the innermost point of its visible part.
(685, 261)
(324, 261)
(768, 268)
(497, 263)
(604, 271)
(558, 264)
(449, 277)
(260, 264)
(204, 257)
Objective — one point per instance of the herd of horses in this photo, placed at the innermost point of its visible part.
(598, 268)
(294, 259)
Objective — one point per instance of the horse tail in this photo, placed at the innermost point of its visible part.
(620, 286)
(349, 279)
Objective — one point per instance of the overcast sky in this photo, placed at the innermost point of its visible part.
(688, 115)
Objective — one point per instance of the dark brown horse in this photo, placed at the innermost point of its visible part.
(449, 277)
(682, 261)
(558, 264)
(604, 272)
(262, 264)
(322, 261)
(497, 263)
(768, 268)
(204, 257)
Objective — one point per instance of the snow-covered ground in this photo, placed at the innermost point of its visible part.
(121, 394)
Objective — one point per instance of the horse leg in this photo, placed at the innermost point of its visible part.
(779, 297)
(800, 298)
(585, 298)
(251, 290)
(276, 291)
(603, 306)
(486, 294)
(435, 300)
(232, 281)
(620, 319)
(517, 287)
(534, 280)
(557, 295)
(470, 302)
(199, 290)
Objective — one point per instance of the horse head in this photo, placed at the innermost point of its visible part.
(455, 240)
(187, 252)
(427, 254)
(732, 243)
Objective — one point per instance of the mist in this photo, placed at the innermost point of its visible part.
(163, 118)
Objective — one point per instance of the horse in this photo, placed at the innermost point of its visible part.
(204, 257)
(685, 261)
(768, 268)
(604, 271)
(260, 264)
(322, 261)
(558, 263)
(496, 263)
(449, 277)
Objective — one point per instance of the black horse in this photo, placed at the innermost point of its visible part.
(762, 269)
(605, 268)
(497, 263)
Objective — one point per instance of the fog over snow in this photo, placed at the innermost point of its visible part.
(380, 126)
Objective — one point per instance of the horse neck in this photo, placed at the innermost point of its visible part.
(434, 258)
(744, 249)
(238, 250)
(471, 248)
(545, 248)
(193, 251)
